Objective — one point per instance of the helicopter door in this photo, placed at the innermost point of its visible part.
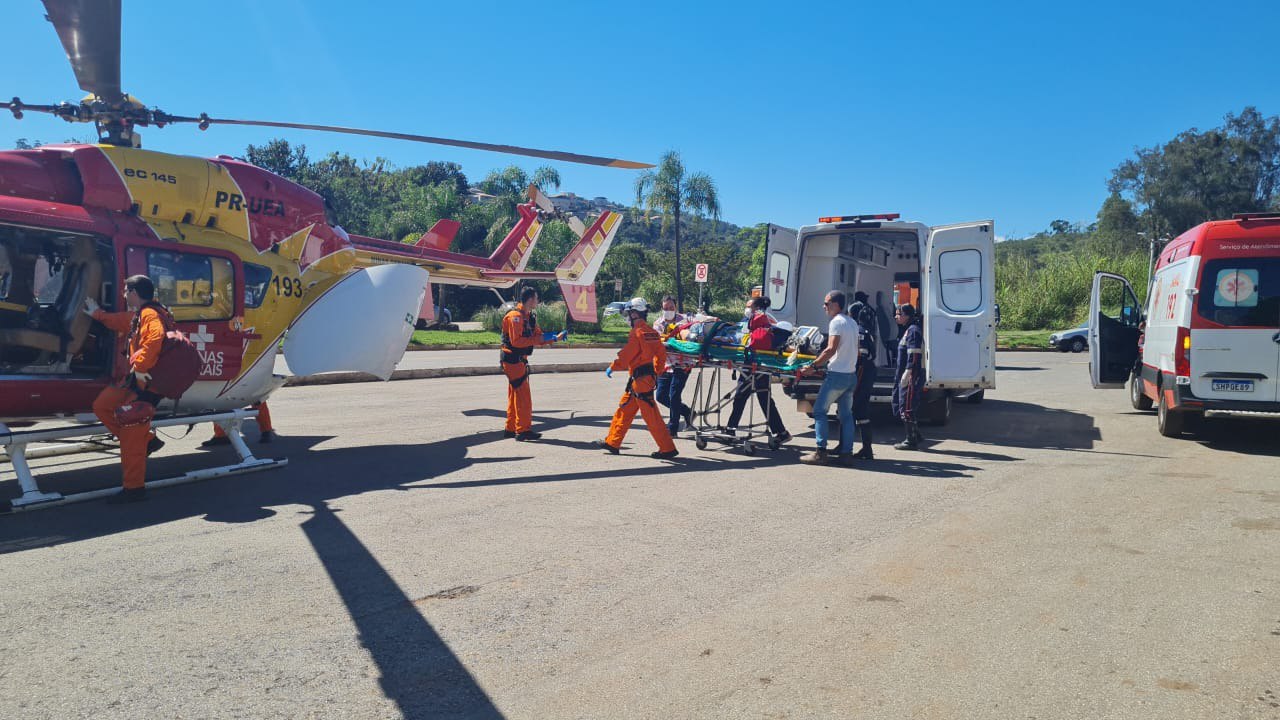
(362, 323)
(204, 289)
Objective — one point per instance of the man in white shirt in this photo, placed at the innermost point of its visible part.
(840, 357)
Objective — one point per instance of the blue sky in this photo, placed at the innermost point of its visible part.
(944, 112)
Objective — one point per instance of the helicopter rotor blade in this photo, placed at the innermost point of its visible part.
(90, 33)
(510, 149)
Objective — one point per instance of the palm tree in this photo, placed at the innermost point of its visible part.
(670, 191)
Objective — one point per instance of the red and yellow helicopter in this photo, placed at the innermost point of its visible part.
(243, 257)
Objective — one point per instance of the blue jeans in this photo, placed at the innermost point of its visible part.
(837, 388)
(670, 388)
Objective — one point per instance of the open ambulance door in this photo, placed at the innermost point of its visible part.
(959, 306)
(781, 269)
(1114, 314)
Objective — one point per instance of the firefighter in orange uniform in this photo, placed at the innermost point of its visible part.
(643, 357)
(142, 325)
(520, 335)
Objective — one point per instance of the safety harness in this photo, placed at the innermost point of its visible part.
(512, 355)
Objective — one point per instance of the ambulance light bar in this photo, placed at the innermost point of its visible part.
(859, 218)
(1256, 216)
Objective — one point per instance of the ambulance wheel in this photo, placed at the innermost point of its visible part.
(700, 443)
(937, 412)
(748, 448)
(1170, 421)
(1137, 398)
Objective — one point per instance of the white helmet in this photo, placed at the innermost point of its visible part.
(638, 304)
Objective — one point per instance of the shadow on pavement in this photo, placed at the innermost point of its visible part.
(1241, 435)
(418, 671)
(1017, 368)
(1017, 424)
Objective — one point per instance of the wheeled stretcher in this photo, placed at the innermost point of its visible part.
(717, 369)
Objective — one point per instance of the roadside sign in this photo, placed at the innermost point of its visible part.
(617, 285)
(700, 273)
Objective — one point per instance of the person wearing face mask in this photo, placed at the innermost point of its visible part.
(642, 357)
(671, 383)
(758, 338)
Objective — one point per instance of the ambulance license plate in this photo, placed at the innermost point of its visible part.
(1233, 386)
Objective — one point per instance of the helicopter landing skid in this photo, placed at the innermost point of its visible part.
(33, 498)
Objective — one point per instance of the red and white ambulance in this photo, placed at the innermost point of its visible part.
(1212, 337)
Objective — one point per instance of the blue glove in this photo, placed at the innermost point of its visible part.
(549, 337)
(608, 372)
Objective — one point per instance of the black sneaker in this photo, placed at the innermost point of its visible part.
(864, 454)
(128, 495)
(785, 436)
(154, 444)
(606, 447)
(267, 436)
(216, 440)
(660, 455)
(846, 459)
(508, 434)
(528, 436)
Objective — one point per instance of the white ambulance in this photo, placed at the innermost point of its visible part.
(947, 272)
(1212, 340)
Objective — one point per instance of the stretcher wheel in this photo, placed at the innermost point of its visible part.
(748, 448)
(700, 443)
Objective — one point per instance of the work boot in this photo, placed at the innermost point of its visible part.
(817, 457)
(606, 447)
(215, 441)
(128, 495)
(664, 455)
(508, 434)
(267, 437)
(154, 445)
(911, 441)
(528, 436)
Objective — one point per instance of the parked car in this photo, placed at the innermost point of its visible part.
(444, 318)
(614, 308)
(1075, 340)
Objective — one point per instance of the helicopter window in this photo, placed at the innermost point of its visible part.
(48, 279)
(256, 281)
(194, 287)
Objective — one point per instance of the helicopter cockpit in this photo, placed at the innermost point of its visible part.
(45, 277)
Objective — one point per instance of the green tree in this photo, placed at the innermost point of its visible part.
(1200, 176)
(670, 190)
(279, 157)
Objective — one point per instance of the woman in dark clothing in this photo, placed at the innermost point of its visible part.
(758, 338)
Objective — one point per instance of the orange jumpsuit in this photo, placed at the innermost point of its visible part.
(520, 336)
(642, 357)
(144, 351)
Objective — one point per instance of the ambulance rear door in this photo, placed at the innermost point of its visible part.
(781, 265)
(958, 291)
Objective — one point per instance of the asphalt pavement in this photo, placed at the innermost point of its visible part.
(1049, 555)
